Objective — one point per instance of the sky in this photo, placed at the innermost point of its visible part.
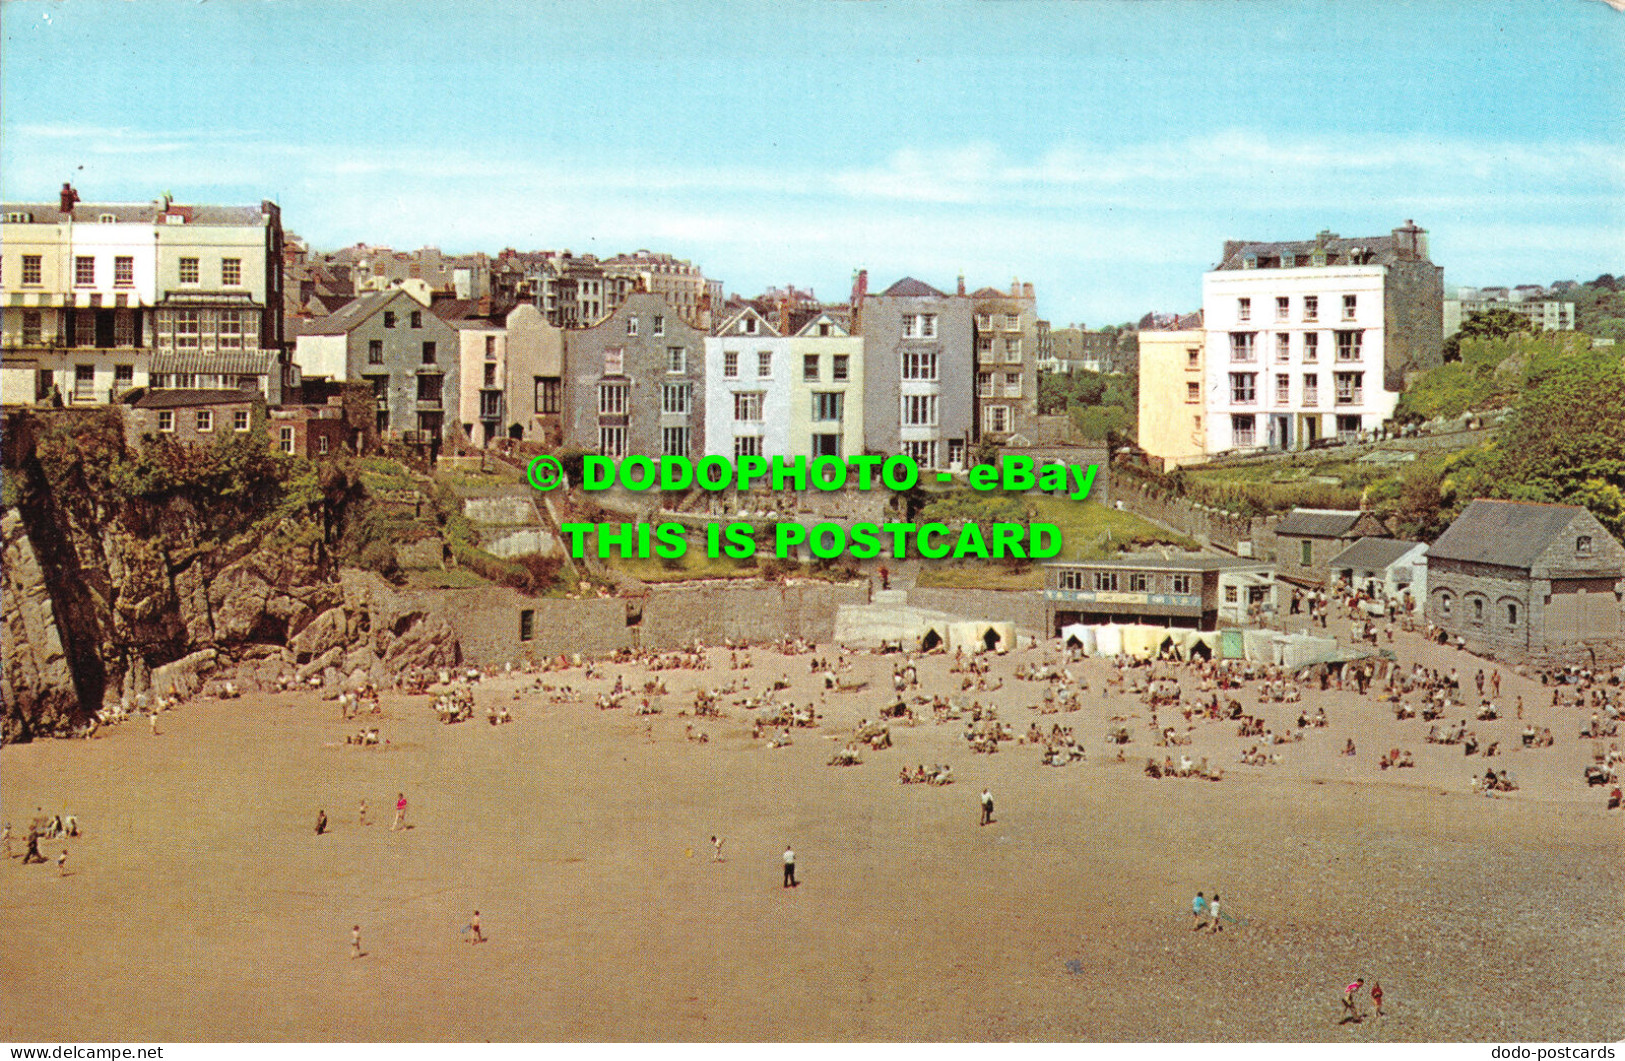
(1102, 150)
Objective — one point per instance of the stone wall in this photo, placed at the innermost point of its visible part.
(1024, 608)
(1209, 526)
(715, 612)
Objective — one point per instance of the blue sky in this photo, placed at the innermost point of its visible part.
(1101, 150)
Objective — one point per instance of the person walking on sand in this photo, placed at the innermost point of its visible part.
(355, 942)
(152, 719)
(1199, 911)
(5, 839)
(987, 806)
(321, 821)
(789, 867)
(1213, 914)
(32, 854)
(363, 814)
(475, 935)
(1376, 985)
(716, 849)
(1351, 1010)
(62, 863)
(400, 812)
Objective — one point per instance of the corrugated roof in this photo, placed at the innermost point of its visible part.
(1318, 522)
(1505, 533)
(226, 362)
(1371, 554)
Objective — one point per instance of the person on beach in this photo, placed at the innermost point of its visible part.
(716, 849)
(987, 806)
(152, 719)
(321, 822)
(362, 816)
(62, 863)
(1213, 914)
(355, 942)
(475, 935)
(5, 839)
(789, 867)
(1376, 985)
(400, 812)
(32, 854)
(1351, 1010)
(1199, 911)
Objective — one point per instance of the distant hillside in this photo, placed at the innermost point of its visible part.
(1491, 374)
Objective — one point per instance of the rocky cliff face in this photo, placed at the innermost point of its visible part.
(107, 595)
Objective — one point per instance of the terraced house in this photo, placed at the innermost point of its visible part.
(635, 383)
(101, 298)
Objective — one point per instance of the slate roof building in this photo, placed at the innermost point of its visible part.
(1384, 567)
(919, 373)
(1529, 582)
(1306, 540)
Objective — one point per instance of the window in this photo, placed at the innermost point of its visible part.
(922, 453)
(1283, 308)
(748, 406)
(1283, 389)
(389, 318)
(1012, 322)
(612, 441)
(1241, 346)
(1311, 307)
(1349, 304)
(631, 326)
(928, 325)
(1193, 393)
(1181, 583)
(996, 419)
(1288, 260)
(84, 271)
(747, 446)
(375, 351)
(676, 359)
(920, 410)
(1012, 350)
(730, 365)
(824, 329)
(429, 353)
(239, 421)
(188, 271)
(1445, 604)
(1582, 545)
(1317, 259)
(984, 346)
(1193, 357)
(1242, 429)
(1070, 579)
(1348, 345)
(547, 394)
(285, 440)
(490, 376)
(32, 327)
(123, 271)
(1243, 388)
(1512, 614)
(205, 421)
(749, 325)
(31, 269)
(1012, 384)
(1349, 388)
(229, 332)
(429, 389)
(1311, 390)
(828, 405)
(1348, 428)
(658, 327)
(415, 319)
(1478, 609)
(984, 384)
(231, 272)
(123, 375)
(123, 328)
(908, 325)
(809, 368)
(612, 399)
(764, 364)
(1283, 346)
(1244, 309)
(1249, 260)
(920, 366)
(840, 367)
(1105, 581)
(1230, 594)
(1311, 347)
(1137, 582)
(187, 324)
(674, 398)
(166, 420)
(614, 360)
(674, 441)
(527, 624)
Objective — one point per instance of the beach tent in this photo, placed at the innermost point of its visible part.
(1141, 642)
(1201, 644)
(1109, 639)
(932, 635)
(1004, 637)
(1231, 644)
(1259, 646)
(1301, 650)
(1080, 635)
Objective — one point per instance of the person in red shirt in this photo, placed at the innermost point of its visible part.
(1376, 995)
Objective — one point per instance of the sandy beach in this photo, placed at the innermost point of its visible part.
(200, 904)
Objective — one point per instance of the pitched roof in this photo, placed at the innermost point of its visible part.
(176, 399)
(1371, 554)
(1318, 522)
(1506, 533)
(347, 318)
(142, 213)
(1378, 250)
(908, 287)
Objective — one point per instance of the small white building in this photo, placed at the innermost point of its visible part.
(1384, 568)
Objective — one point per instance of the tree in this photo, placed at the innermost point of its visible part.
(1495, 324)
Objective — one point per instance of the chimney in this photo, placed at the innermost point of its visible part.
(860, 291)
(961, 285)
(69, 197)
(1411, 242)
(1027, 292)
(485, 306)
(1015, 287)
(784, 316)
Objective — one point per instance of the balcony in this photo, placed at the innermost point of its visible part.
(1351, 397)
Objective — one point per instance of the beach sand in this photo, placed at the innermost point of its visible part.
(201, 905)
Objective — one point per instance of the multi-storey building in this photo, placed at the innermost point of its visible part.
(1007, 347)
(919, 373)
(100, 298)
(770, 394)
(681, 283)
(1547, 315)
(1314, 339)
(635, 383)
(1173, 398)
(411, 357)
(535, 375)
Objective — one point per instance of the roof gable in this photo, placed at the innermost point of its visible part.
(1509, 533)
(736, 324)
(1329, 523)
(811, 328)
(908, 287)
(1372, 554)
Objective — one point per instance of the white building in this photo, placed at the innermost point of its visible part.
(1314, 339)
